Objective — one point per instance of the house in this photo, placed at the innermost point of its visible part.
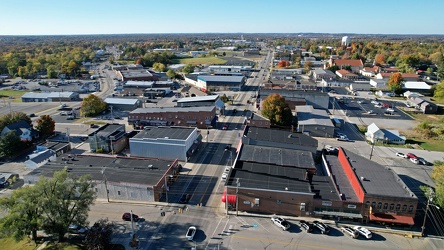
(165, 143)
(381, 93)
(319, 74)
(314, 122)
(345, 74)
(378, 83)
(22, 129)
(369, 72)
(108, 138)
(257, 120)
(420, 103)
(40, 158)
(375, 134)
(355, 65)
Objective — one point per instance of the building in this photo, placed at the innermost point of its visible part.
(200, 117)
(190, 91)
(200, 101)
(50, 97)
(123, 103)
(422, 104)
(421, 87)
(319, 74)
(358, 86)
(375, 134)
(116, 178)
(378, 83)
(165, 143)
(370, 72)
(259, 121)
(405, 76)
(279, 139)
(22, 129)
(294, 98)
(367, 190)
(345, 41)
(40, 158)
(220, 83)
(345, 74)
(229, 69)
(355, 65)
(137, 75)
(314, 122)
(110, 138)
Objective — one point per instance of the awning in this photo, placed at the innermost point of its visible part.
(341, 214)
(231, 198)
(391, 218)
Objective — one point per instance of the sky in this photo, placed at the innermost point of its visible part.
(64, 17)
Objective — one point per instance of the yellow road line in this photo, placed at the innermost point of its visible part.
(282, 242)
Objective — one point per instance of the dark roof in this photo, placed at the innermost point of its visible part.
(18, 125)
(178, 133)
(269, 177)
(173, 109)
(324, 188)
(281, 136)
(343, 184)
(258, 117)
(127, 170)
(43, 156)
(277, 156)
(110, 129)
(379, 180)
(290, 93)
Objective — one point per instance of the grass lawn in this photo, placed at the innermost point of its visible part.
(17, 94)
(10, 244)
(200, 60)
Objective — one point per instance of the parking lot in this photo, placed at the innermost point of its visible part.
(360, 107)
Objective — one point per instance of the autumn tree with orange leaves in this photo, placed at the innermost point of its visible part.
(379, 59)
(395, 82)
(283, 64)
(277, 110)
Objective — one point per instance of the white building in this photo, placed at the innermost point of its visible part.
(345, 41)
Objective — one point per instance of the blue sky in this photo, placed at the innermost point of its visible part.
(60, 17)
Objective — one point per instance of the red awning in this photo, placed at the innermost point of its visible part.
(391, 218)
(231, 198)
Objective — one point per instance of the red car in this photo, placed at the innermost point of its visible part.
(224, 127)
(410, 155)
(127, 217)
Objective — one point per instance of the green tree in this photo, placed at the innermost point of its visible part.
(51, 71)
(189, 68)
(438, 178)
(171, 74)
(277, 110)
(92, 105)
(45, 125)
(14, 117)
(10, 144)
(308, 66)
(23, 213)
(438, 92)
(224, 98)
(65, 200)
(159, 67)
(394, 83)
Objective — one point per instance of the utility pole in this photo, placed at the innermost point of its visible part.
(429, 198)
(67, 134)
(371, 152)
(237, 196)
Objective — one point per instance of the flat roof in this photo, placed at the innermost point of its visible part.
(218, 78)
(325, 187)
(35, 95)
(63, 94)
(177, 133)
(121, 101)
(109, 129)
(291, 93)
(269, 177)
(277, 156)
(281, 136)
(307, 115)
(145, 171)
(199, 98)
(135, 73)
(379, 180)
(343, 184)
(173, 109)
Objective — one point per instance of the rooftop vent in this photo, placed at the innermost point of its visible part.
(363, 178)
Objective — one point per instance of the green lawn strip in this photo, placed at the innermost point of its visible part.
(200, 60)
(10, 244)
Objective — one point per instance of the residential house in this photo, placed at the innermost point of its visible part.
(355, 65)
(375, 134)
(22, 129)
(108, 138)
(345, 74)
(425, 106)
(369, 72)
(40, 158)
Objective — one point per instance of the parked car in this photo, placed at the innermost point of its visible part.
(322, 227)
(225, 127)
(401, 155)
(32, 115)
(280, 222)
(224, 176)
(342, 138)
(410, 155)
(370, 111)
(71, 117)
(306, 225)
(331, 149)
(127, 217)
(350, 232)
(424, 162)
(191, 232)
(390, 110)
(414, 160)
(363, 231)
(76, 229)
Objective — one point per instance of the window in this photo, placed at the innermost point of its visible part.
(367, 203)
(411, 208)
(392, 206)
(380, 205)
(373, 204)
(385, 205)
(404, 208)
(398, 207)
(118, 192)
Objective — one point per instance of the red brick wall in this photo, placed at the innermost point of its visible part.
(351, 175)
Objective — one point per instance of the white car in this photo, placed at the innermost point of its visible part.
(401, 155)
(390, 110)
(414, 160)
(330, 148)
(363, 231)
(350, 232)
(224, 176)
(280, 222)
(191, 232)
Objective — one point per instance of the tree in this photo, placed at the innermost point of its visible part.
(159, 67)
(438, 92)
(283, 64)
(394, 83)
(438, 178)
(224, 98)
(65, 200)
(189, 68)
(171, 74)
(307, 66)
(92, 105)
(10, 144)
(45, 125)
(24, 213)
(379, 59)
(277, 110)
(98, 236)
(14, 117)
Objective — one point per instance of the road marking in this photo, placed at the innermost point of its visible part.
(286, 243)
